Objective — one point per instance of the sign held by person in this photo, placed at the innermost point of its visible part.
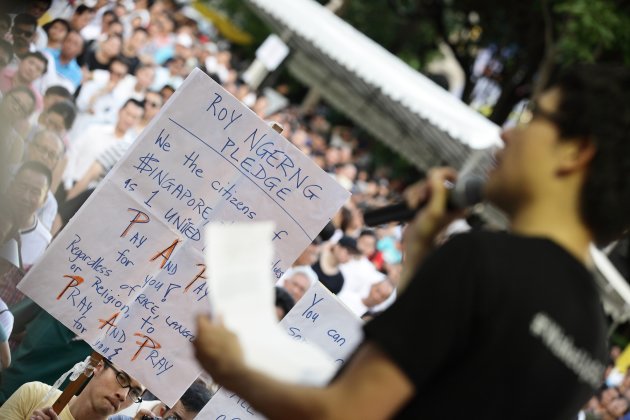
(127, 274)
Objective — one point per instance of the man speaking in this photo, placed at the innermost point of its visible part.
(491, 325)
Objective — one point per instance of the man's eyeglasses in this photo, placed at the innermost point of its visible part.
(135, 393)
(535, 112)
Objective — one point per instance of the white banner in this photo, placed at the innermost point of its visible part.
(127, 274)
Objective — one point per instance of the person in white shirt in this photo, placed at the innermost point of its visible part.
(99, 137)
(108, 158)
(26, 195)
(101, 98)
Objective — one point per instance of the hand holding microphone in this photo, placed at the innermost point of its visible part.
(465, 192)
(435, 202)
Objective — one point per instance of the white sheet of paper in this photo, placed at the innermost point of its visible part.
(127, 273)
(319, 318)
(243, 295)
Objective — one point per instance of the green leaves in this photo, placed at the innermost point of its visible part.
(591, 30)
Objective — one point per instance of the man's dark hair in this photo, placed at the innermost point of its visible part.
(594, 106)
(67, 110)
(327, 232)
(121, 59)
(25, 19)
(367, 232)
(48, 3)
(38, 167)
(167, 87)
(133, 101)
(196, 397)
(38, 55)
(284, 300)
(141, 29)
(82, 8)
(59, 90)
(7, 47)
(64, 22)
(110, 13)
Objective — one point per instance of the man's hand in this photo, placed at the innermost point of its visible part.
(44, 414)
(420, 235)
(217, 349)
(379, 292)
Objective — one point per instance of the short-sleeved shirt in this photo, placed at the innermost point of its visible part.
(70, 70)
(27, 399)
(505, 325)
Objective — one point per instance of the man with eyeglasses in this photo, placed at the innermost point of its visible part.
(508, 324)
(110, 156)
(96, 138)
(109, 391)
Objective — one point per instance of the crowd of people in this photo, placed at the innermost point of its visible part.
(78, 85)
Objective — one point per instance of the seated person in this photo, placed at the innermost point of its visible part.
(27, 194)
(109, 391)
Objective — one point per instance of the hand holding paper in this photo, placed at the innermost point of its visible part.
(241, 292)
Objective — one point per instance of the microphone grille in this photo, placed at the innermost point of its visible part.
(468, 191)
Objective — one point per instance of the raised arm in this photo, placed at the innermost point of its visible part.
(92, 174)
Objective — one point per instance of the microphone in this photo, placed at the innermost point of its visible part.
(466, 192)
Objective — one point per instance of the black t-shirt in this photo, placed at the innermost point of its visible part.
(89, 59)
(333, 283)
(133, 62)
(496, 326)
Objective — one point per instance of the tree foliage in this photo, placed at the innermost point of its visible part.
(529, 37)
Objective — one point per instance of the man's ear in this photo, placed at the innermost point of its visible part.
(575, 154)
(99, 368)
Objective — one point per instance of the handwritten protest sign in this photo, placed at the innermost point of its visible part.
(127, 274)
(319, 318)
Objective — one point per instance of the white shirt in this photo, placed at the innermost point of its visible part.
(48, 211)
(34, 240)
(359, 275)
(86, 148)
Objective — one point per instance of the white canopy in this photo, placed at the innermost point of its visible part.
(395, 103)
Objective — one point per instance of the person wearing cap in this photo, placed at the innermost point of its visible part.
(332, 256)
